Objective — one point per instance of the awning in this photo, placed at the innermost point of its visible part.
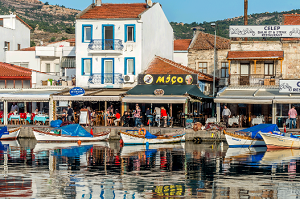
(86, 98)
(155, 99)
(26, 95)
(255, 55)
(169, 90)
(242, 101)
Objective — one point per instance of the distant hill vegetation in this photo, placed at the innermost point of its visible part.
(186, 30)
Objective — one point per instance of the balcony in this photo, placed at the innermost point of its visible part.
(106, 46)
(253, 80)
(106, 78)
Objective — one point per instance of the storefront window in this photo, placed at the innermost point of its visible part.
(282, 114)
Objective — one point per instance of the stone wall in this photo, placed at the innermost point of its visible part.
(291, 63)
(256, 46)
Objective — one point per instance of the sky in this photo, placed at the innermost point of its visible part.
(188, 11)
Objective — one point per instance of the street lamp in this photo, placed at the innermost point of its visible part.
(213, 25)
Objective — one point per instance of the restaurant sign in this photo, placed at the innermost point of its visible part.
(151, 79)
(289, 86)
(77, 91)
(265, 31)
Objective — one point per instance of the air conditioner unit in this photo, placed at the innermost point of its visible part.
(129, 78)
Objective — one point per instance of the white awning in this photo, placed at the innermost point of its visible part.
(25, 98)
(287, 101)
(242, 101)
(154, 99)
(86, 98)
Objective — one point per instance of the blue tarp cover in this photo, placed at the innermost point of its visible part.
(74, 130)
(149, 135)
(265, 128)
(3, 131)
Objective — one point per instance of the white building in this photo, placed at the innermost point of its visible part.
(15, 34)
(57, 58)
(115, 42)
(181, 47)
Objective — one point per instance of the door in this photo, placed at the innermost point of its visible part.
(108, 37)
(244, 79)
(108, 70)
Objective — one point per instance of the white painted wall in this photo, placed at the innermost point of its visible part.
(38, 77)
(15, 32)
(24, 57)
(158, 38)
(181, 57)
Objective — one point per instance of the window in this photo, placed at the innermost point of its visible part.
(7, 45)
(19, 46)
(130, 33)
(47, 68)
(87, 33)
(57, 68)
(202, 66)
(108, 37)
(269, 69)
(1, 22)
(108, 71)
(87, 66)
(129, 66)
(224, 70)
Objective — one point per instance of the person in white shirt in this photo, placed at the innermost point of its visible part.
(225, 115)
(14, 108)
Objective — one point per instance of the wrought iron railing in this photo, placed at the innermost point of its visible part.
(253, 80)
(106, 44)
(106, 78)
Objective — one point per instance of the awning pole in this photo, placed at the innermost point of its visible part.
(218, 112)
(5, 112)
(105, 105)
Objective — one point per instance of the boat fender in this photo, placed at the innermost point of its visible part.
(142, 133)
(92, 133)
(79, 142)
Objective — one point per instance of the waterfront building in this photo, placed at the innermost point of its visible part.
(262, 74)
(181, 47)
(15, 34)
(115, 42)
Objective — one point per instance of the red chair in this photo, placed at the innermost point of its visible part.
(1, 116)
(23, 118)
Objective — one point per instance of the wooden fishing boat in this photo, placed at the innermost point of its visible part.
(280, 140)
(250, 136)
(9, 134)
(69, 133)
(143, 136)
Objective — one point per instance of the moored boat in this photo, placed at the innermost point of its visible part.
(9, 134)
(278, 140)
(249, 137)
(143, 136)
(69, 133)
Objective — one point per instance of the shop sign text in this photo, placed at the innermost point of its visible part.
(151, 79)
(289, 86)
(77, 91)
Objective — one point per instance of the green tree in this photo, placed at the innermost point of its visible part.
(32, 43)
(64, 38)
(52, 39)
(46, 3)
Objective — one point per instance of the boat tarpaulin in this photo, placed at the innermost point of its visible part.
(149, 135)
(265, 128)
(75, 151)
(3, 131)
(74, 130)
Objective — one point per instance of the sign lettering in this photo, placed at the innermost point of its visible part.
(289, 86)
(150, 79)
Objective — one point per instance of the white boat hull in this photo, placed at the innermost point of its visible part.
(128, 139)
(274, 141)
(48, 137)
(243, 142)
(13, 135)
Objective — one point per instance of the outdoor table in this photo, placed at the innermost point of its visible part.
(257, 120)
(233, 120)
(40, 118)
(28, 118)
(211, 120)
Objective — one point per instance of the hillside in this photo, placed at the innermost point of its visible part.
(185, 31)
(49, 22)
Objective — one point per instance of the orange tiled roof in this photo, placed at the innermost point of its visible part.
(115, 11)
(161, 65)
(23, 22)
(255, 55)
(205, 41)
(291, 19)
(28, 49)
(182, 44)
(10, 70)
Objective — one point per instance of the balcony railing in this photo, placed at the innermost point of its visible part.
(253, 80)
(106, 78)
(106, 44)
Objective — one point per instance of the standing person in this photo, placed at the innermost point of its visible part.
(292, 116)
(164, 115)
(118, 116)
(225, 115)
(137, 115)
(70, 113)
(14, 107)
(157, 116)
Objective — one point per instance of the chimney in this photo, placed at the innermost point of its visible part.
(149, 3)
(98, 2)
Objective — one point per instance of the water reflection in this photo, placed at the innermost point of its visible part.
(106, 170)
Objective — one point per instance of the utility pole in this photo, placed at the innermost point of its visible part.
(246, 15)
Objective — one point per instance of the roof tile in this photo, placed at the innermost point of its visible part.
(115, 11)
(161, 65)
(205, 41)
(182, 44)
(10, 70)
(254, 54)
(291, 19)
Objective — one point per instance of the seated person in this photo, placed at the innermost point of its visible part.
(118, 116)
(64, 115)
(125, 119)
(109, 120)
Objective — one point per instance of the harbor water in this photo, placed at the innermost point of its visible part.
(183, 170)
